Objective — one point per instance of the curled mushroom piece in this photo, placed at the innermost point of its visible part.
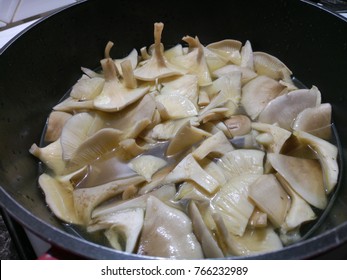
(55, 124)
(238, 125)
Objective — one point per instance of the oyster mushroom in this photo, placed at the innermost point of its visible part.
(238, 125)
(121, 227)
(71, 105)
(157, 65)
(59, 197)
(51, 155)
(167, 232)
(285, 108)
(189, 169)
(305, 176)
(316, 121)
(132, 57)
(327, 155)
(271, 198)
(147, 165)
(246, 73)
(87, 88)
(217, 143)
(55, 124)
(275, 136)
(247, 60)
(229, 49)
(208, 243)
(86, 199)
(114, 95)
(257, 93)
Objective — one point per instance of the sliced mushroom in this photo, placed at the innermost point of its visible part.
(238, 125)
(208, 243)
(59, 198)
(189, 169)
(71, 105)
(55, 124)
(327, 155)
(257, 93)
(246, 73)
(247, 60)
(217, 143)
(271, 198)
(157, 66)
(304, 176)
(229, 49)
(258, 219)
(316, 121)
(132, 57)
(147, 165)
(167, 232)
(284, 109)
(87, 88)
(121, 227)
(114, 95)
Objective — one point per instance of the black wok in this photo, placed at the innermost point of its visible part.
(41, 64)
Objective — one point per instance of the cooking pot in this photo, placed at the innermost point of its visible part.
(42, 64)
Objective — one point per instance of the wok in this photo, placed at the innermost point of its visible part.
(42, 63)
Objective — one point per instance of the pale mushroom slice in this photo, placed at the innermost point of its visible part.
(231, 202)
(242, 161)
(258, 219)
(174, 51)
(214, 60)
(147, 165)
(191, 135)
(316, 121)
(131, 147)
(102, 142)
(271, 66)
(55, 124)
(217, 143)
(122, 227)
(285, 108)
(257, 93)
(186, 85)
(59, 198)
(194, 62)
(190, 191)
(71, 105)
(51, 155)
(86, 199)
(238, 125)
(189, 169)
(246, 73)
(228, 48)
(164, 193)
(271, 198)
(114, 95)
(132, 57)
(157, 65)
(305, 176)
(327, 155)
(275, 136)
(203, 234)
(76, 130)
(247, 60)
(175, 106)
(87, 88)
(167, 232)
(299, 212)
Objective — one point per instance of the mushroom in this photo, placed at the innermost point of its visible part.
(132, 57)
(258, 219)
(285, 108)
(87, 88)
(275, 136)
(229, 49)
(327, 155)
(167, 232)
(242, 161)
(269, 196)
(257, 93)
(164, 193)
(191, 135)
(238, 125)
(217, 143)
(157, 65)
(86, 199)
(305, 176)
(72, 105)
(121, 227)
(55, 124)
(232, 204)
(316, 121)
(189, 169)
(247, 60)
(208, 243)
(299, 212)
(59, 198)
(246, 73)
(51, 155)
(147, 165)
(114, 95)
(271, 66)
